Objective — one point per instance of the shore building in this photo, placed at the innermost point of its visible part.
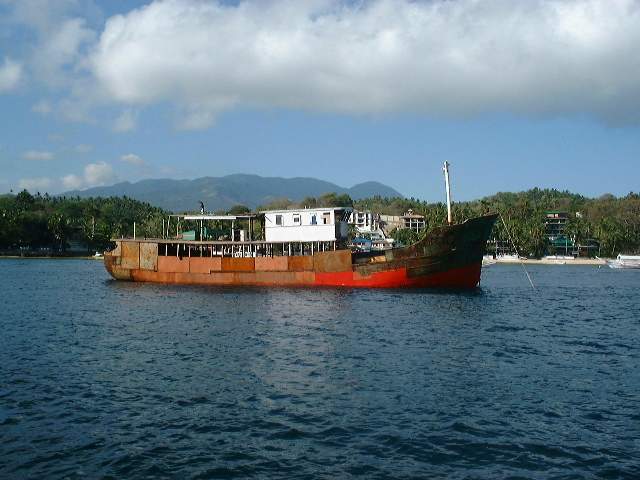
(558, 242)
(409, 219)
(370, 228)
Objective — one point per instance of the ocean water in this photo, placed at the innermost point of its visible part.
(102, 379)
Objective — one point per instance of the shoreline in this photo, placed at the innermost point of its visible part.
(550, 261)
(503, 261)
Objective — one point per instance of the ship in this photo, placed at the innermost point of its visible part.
(300, 248)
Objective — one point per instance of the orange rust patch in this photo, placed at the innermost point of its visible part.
(226, 278)
(205, 264)
(130, 255)
(338, 261)
(271, 264)
(173, 264)
(300, 263)
(238, 264)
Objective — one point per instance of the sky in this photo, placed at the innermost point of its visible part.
(515, 95)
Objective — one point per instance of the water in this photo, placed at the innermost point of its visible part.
(121, 380)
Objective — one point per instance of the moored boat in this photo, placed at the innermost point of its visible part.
(625, 261)
(449, 257)
(307, 247)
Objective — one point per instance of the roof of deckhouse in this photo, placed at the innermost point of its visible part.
(206, 216)
(298, 210)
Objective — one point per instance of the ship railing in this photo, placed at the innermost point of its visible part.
(237, 249)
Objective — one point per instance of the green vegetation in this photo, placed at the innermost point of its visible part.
(47, 223)
(43, 222)
(613, 222)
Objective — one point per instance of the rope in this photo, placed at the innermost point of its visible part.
(516, 249)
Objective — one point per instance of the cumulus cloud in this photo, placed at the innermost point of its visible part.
(60, 50)
(98, 174)
(94, 175)
(35, 184)
(58, 32)
(72, 182)
(436, 57)
(37, 155)
(10, 75)
(133, 159)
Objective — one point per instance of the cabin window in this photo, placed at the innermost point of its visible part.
(314, 220)
(278, 219)
(326, 218)
(296, 219)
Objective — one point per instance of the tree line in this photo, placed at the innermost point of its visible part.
(48, 222)
(43, 222)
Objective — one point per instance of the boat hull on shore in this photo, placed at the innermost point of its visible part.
(449, 257)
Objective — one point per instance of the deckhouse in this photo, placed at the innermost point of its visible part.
(307, 225)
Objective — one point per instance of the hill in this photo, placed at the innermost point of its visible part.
(220, 193)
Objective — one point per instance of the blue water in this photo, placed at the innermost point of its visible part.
(101, 379)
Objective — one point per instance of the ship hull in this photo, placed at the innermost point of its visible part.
(449, 257)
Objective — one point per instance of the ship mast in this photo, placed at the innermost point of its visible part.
(446, 182)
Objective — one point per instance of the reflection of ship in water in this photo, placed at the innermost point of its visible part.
(306, 247)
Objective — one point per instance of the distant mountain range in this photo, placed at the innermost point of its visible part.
(220, 193)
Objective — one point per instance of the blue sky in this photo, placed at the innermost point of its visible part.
(513, 94)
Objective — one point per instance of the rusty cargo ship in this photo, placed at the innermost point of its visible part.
(306, 247)
(449, 256)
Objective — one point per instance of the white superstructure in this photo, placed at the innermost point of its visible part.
(307, 225)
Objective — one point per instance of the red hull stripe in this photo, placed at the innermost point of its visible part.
(465, 277)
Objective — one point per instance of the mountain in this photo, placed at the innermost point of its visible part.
(220, 193)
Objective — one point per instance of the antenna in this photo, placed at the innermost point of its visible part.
(445, 168)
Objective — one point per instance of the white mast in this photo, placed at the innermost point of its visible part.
(446, 182)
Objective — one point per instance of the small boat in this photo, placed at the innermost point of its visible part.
(625, 261)
(488, 260)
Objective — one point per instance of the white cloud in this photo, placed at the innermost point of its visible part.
(126, 122)
(98, 174)
(94, 175)
(436, 57)
(35, 184)
(58, 33)
(60, 49)
(10, 75)
(37, 155)
(72, 182)
(133, 159)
